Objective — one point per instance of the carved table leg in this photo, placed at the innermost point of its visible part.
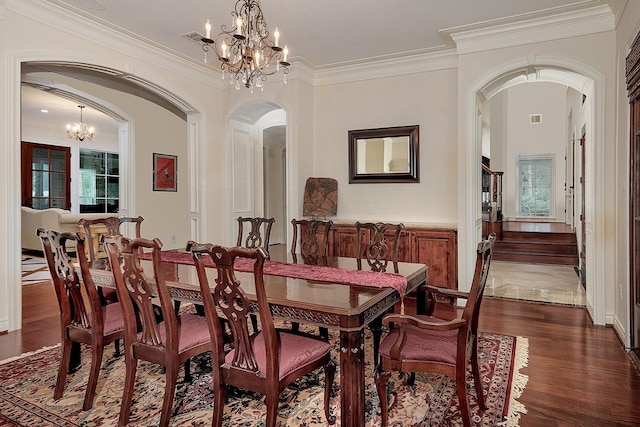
(352, 378)
(376, 330)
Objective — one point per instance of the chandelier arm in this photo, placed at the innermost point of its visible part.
(245, 49)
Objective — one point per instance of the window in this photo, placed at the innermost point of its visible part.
(99, 182)
(535, 182)
(45, 176)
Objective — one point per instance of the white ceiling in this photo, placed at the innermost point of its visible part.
(320, 33)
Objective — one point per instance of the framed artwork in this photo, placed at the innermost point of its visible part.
(165, 172)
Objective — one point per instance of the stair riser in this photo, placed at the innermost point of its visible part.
(537, 248)
(520, 236)
(536, 258)
(540, 248)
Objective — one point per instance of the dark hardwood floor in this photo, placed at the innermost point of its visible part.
(579, 374)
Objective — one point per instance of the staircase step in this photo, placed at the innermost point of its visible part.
(528, 236)
(536, 258)
(537, 248)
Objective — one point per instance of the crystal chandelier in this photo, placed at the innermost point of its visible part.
(80, 131)
(245, 49)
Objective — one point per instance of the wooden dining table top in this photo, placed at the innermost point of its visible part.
(316, 302)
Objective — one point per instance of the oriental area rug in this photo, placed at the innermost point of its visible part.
(27, 382)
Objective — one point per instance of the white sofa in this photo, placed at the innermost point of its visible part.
(52, 219)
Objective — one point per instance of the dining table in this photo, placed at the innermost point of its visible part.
(337, 293)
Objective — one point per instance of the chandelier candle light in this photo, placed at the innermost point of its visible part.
(245, 49)
(80, 131)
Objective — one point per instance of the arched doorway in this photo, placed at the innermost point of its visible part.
(584, 80)
(96, 74)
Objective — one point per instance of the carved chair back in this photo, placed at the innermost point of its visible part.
(66, 281)
(314, 237)
(378, 243)
(471, 311)
(137, 291)
(258, 234)
(112, 224)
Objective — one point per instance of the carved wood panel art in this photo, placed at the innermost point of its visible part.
(320, 197)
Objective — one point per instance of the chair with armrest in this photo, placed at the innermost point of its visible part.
(314, 245)
(426, 343)
(170, 340)
(258, 234)
(264, 362)
(378, 243)
(83, 322)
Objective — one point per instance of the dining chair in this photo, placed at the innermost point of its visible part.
(314, 245)
(265, 362)
(378, 243)
(426, 343)
(113, 225)
(258, 234)
(83, 322)
(169, 340)
(257, 237)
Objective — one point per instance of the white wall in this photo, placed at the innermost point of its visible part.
(545, 138)
(422, 99)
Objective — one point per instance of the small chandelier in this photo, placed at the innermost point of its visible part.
(80, 131)
(245, 50)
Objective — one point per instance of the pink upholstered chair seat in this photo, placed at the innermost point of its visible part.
(423, 344)
(113, 320)
(193, 332)
(300, 351)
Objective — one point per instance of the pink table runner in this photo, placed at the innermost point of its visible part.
(303, 271)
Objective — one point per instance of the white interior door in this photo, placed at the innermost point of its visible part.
(246, 174)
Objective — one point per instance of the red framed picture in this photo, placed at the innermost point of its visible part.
(165, 172)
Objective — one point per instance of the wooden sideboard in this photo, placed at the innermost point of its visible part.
(435, 247)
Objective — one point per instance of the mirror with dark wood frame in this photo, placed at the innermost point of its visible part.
(384, 155)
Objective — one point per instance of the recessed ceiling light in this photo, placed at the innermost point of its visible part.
(44, 111)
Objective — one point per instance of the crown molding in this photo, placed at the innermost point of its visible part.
(569, 24)
(388, 67)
